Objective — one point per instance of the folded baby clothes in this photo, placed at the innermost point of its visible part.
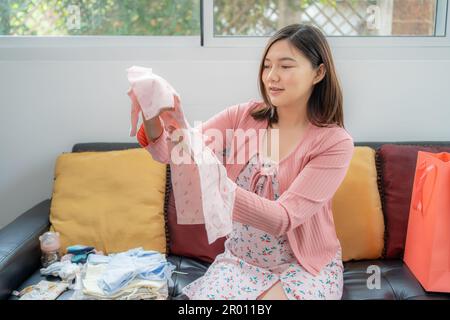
(136, 289)
(122, 268)
(202, 190)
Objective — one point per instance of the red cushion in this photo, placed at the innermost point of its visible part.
(190, 240)
(398, 164)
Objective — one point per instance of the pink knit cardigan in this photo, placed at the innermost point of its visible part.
(308, 179)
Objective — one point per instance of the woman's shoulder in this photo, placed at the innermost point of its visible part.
(249, 106)
(241, 112)
(332, 131)
(329, 137)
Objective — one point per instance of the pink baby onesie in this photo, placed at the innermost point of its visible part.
(202, 190)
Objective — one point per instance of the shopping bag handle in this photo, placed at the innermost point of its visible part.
(418, 196)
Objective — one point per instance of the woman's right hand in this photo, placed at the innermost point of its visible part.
(153, 127)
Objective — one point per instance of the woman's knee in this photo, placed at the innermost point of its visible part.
(276, 292)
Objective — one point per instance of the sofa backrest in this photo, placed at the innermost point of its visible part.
(395, 221)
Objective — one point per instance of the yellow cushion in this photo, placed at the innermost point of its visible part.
(111, 200)
(357, 210)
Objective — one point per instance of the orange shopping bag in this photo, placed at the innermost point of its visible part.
(427, 249)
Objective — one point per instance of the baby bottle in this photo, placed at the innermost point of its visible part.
(49, 248)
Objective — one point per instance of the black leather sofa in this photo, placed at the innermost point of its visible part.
(20, 254)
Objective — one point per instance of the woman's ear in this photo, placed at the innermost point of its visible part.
(320, 73)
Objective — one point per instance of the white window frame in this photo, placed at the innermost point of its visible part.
(205, 47)
(441, 40)
(98, 41)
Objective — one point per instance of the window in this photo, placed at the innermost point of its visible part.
(347, 23)
(220, 23)
(335, 18)
(100, 17)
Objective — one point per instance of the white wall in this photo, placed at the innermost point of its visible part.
(52, 98)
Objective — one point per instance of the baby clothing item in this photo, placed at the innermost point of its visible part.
(44, 290)
(152, 95)
(66, 270)
(254, 260)
(202, 190)
(122, 268)
(80, 253)
(136, 289)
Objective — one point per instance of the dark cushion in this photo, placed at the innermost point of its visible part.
(397, 164)
(189, 240)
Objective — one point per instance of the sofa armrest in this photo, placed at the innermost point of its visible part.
(19, 247)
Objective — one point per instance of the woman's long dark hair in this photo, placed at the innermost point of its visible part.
(325, 105)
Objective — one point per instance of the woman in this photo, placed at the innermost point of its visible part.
(284, 243)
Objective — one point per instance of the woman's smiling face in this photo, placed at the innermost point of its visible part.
(286, 68)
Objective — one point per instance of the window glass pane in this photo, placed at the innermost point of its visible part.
(100, 17)
(334, 17)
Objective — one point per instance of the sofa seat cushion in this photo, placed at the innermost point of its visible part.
(396, 282)
(113, 200)
(189, 271)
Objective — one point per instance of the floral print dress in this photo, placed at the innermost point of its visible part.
(253, 260)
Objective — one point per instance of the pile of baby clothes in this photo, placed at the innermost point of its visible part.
(132, 275)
